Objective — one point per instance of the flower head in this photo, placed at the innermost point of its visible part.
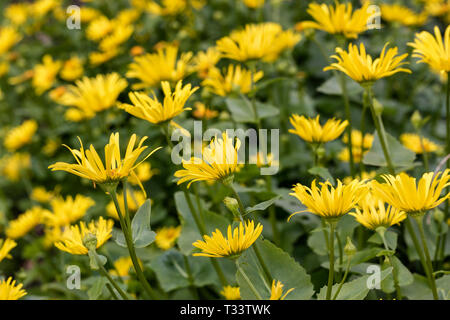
(8, 38)
(122, 266)
(167, 7)
(204, 61)
(134, 200)
(340, 19)
(237, 241)
(233, 79)
(327, 201)
(25, 223)
(150, 109)
(114, 169)
(402, 15)
(66, 211)
(203, 112)
(5, 247)
(166, 237)
(44, 74)
(220, 161)
(402, 191)
(11, 166)
(231, 293)
(152, 68)
(72, 69)
(265, 41)
(373, 213)
(71, 240)
(9, 290)
(253, 4)
(311, 131)
(276, 292)
(360, 66)
(20, 135)
(92, 95)
(418, 144)
(433, 50)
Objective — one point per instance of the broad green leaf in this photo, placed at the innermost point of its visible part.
(140, 226)
(170, 270)
(391, 239)
(96, 290)
(281, 266)
(323, 173)
(95, 259)
(241, 110)
(262, 205)
(119, 237)
(332, 86)
(404, 276)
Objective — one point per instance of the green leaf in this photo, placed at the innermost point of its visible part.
(404, 276)
(96, 290)
(142, 233)
(262, 205)
(170, 270)
(333, 87)
(119, 237)
(391, 239)
(323, 173)
(95, 259)
(281, 266)
(242, 111)
(400, 156)
(354, 290)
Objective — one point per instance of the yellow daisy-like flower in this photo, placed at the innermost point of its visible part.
(67, 211)
(51, 235)
(87, 14)
(239, 240)
(327, 201)
(9, 290)
(220, 161)
(8, 38)
(203, 112)
(402, 192)
(134, 200)
(234, 79)
(20, 135)
(150, 109)
(120, 34)
(71, 240)
(122, 267)
(418, 144)
(204, 61)
(276, 293)
(11, 166)
(98, 58)
(402, 15)
(44, 74)
(143, 173)
(253, 4)
(360, 66)
(265, 41)
(358, 141)
(114, 169)
(40, 194)
(433, 50)
(167, 7)
(364, 176)
(340, 19)
(72, 69)
(166, 237)
(152, 68)
(5, 247)
(373, 213)
(311, 131)
(17, 13)
(25, 223)
(92, 95)
(99, 28)
(231, 293)
(357, 153)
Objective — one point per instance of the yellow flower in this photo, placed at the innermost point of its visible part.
(311, 131)
(435, 51)
(418, 144)
(235, 79)
(340, 19)
(276, 292)
(203, 112)
(166, 237)
(220, 161)
(152, 68)
(25, 223)
(231, 293)
(264, 41)
(11, 166)
(364, 176)
(41, 195)
(51, 235)
(205, 61)
(98, 58)
(92, 95)
(71, 240)
(87, 14)
(122, 267)
(50, 147)
(8, 38)
(360, 66)
(150, 109)
(402, 192)
(372, 213)
(9, 290)
(17, 13)
(128, 16)
(99, 28)
(358, 141)
(120, 34)
(114, 169)
(238, 241)
(329, 202)
(134, 200)
(357, 153)
(20, 135)
(45, 74)
(67, 211)
(137, 51)
(143, 173)
(4, 68)
(72, 69)
(402, 15)
(259, 160)
(168, 7)
(41, 7)
(253, 4)
(5, 247)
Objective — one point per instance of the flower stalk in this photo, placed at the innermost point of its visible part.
(332, 224)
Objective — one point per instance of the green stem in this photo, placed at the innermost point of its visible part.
(394, 270)
(272, 214)
(378, 122)
(111, 291)
(250, 284)
(331, 255)
(343, 279)
(192, 287)
(447, 108)
(348, 115)
(341, 254)
(362, 127)
(110, 279)
(131, 250)
(416, 243)
(427, 256)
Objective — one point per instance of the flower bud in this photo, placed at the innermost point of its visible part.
(438, 216)
(232, 205)
(90, 241)
(349, 248)
(416, 120)
(377, 106)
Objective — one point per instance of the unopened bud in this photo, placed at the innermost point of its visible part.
(438, 216)
(416, 120)
(378, 107)
(349, 248)
(232, 205)
(90, 241)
